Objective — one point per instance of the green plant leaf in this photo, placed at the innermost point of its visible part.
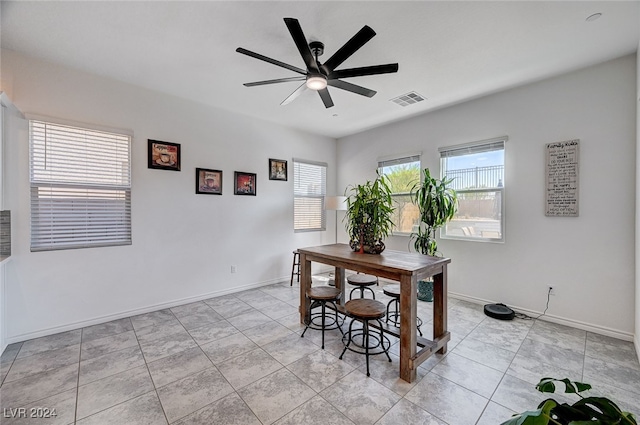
(437, 204)
(541, 416)
(587, 410)
(547, 385)
(369, 211)
(596, 405)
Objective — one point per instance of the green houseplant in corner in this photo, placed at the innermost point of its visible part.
(369, 215)
(437, 203)
(587, 410)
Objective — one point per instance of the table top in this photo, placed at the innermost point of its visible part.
(397, 262)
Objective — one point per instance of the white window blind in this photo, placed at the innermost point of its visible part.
(309, 190)
(80, 187)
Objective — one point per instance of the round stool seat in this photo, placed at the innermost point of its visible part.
(323, 293)
(365, 342)
(362, 279)
(362, 282)
(392, 291)
(364, 308)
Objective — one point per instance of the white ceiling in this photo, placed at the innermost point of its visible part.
(447, 51)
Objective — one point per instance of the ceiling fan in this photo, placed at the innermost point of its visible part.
(318, 75)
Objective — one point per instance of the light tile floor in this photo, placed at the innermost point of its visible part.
(239, 359)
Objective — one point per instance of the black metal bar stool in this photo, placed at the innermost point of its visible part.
(295, 268)
(393, 291)
(363, 310)
(320, 296)
(362, 282)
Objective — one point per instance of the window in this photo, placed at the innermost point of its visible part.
(309, 190)
(402, 174)
(477, 170)
(80, 187)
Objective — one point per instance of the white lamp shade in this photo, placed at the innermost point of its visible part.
(335, 203)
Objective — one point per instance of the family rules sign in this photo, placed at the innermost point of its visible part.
(562, 178)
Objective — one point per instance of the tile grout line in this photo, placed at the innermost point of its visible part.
(466, 337)
(146, 364)
(75, 411)
(235, 390)
(505, 373)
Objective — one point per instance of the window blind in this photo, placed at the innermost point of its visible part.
(398, 161)
(80, 187)
(474, 147)
(309, 190)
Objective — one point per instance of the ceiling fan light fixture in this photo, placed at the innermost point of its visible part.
(316, 82)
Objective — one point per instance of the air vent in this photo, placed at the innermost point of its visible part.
(408, 99)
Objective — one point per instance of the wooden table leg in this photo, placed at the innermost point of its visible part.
(440, 306)
(408, 332)
(305, 284)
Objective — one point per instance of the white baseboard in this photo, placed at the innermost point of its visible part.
(129, 313)
(636, 342)
(137, 311)
(602, 330)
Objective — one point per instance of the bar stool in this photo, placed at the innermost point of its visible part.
(362, 282)
(321, 295)
(295, 268)
(363, 310)
(393, 291)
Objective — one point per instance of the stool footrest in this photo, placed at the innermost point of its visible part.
(376, 346)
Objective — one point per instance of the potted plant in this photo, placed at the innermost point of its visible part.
(587, 410)
(369, 215)
(437, 203)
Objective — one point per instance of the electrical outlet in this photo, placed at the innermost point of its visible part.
(551, 290)
(234, 269)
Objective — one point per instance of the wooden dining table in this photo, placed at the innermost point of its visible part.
(404, 267)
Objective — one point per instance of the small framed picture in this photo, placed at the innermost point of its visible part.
(244, 183)
(163, 155)
(277, 169)
(208, 182)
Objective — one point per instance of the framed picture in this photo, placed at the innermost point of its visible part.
(277, 169)
(163, 155)
(208, 182)
(244, 183)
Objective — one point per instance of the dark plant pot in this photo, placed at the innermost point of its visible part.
(425, 290)
(367, 248)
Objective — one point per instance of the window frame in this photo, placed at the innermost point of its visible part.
(306, 195)
(407, 158)
(76, 189)
(477, 147)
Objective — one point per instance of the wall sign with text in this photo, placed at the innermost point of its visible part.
(562, 178)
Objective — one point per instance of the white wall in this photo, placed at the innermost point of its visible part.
(183, 244)
(11, 128)
(637, 298)
(589, 260)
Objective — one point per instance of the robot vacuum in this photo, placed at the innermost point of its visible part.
(499, 311)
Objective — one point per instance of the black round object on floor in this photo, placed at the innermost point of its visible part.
(499, 311)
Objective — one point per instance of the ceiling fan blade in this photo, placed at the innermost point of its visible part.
(279, 80)
(365, 70)
(301, 43)
(350, 47)
(271, 61)
(339, 84)
(326, 98)
(295, 94)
